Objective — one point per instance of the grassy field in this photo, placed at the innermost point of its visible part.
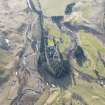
(54, 7)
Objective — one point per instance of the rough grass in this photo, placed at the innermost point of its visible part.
(92, 93)
(54, 31)
(86, 10)
(91, 46)
(5, 58)
(54, 7)
(48, 97)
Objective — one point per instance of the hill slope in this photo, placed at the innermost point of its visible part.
(86, 81)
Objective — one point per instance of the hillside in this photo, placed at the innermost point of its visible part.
(52, 52)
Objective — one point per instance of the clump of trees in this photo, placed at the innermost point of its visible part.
(51, 59)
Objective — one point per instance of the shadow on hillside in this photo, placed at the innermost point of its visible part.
(82, 27)
(87, 29)
(63, 81)
(80, 56)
